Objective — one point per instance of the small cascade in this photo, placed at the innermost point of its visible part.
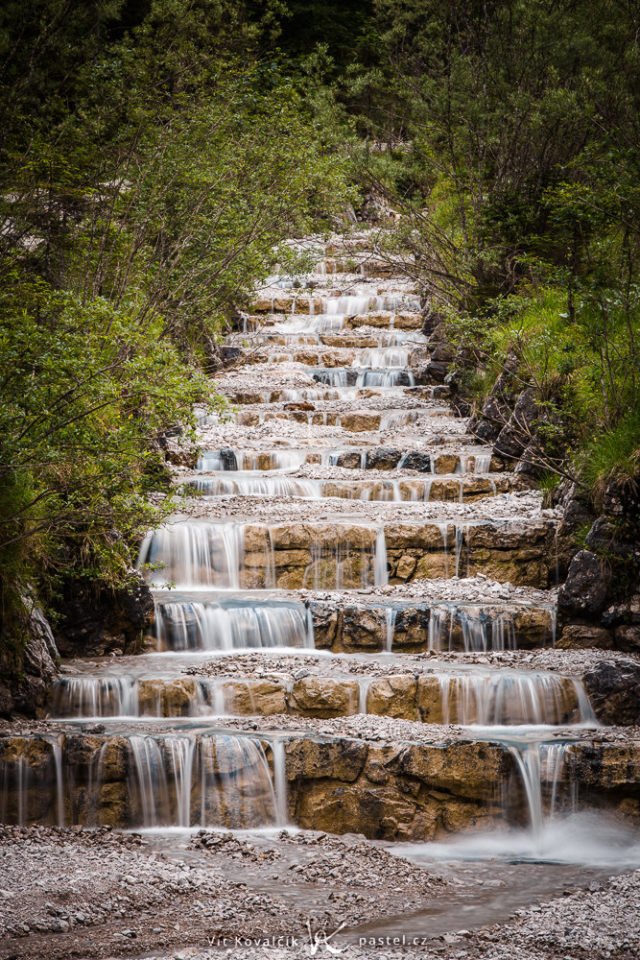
(332, 377)
(542, 768)
(344, 565)
(385, 378)
(511, 699)
(32, 781)
(251, 486)
(391, 615)
(241, 625)
(475, 628)
(280, 783)
(244, 460)
(194, 554)
(382, 357)
(212, 780)
(111, 696)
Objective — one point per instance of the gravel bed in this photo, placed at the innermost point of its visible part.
(519, 507)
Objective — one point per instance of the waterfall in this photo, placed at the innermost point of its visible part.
(391, 615)
(540, 765)
(385, 378)
(381, 577)
(344, 565)
(218, 780)
(481, 629)
(510, 699)
(245, 460)
(239, 625)
(180, 751)
(194, 554)
(256, 487)
(377, 357)
(280, 783)
(83, 696)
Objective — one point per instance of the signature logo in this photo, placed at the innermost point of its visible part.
(321, 939)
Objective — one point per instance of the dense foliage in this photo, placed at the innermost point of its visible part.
(149, 162)
(514, 153)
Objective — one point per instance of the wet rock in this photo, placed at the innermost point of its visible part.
(383, 458)
(614, 690)
(627, 637)
(27, 662)
(415, 460)
(393, 697)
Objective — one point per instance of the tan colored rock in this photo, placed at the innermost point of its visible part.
(324, 697)
(423, 537)
(405, 567)
(363, 628)
(166, 698)
(360, 422)
(394, 696)
(447, 462)
(581, 637)
(308, 759)
(255, 697)
(429, 700)
(467, 769)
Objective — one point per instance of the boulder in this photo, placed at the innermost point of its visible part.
(381, 458)
(614, 690)
(497, 408)
(585, 589)
(515, 437)
(414, 460)
(394, 696)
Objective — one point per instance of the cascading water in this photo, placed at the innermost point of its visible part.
(382, 357)
(193, 554)
(244, 460)
(475, 628)
(256, 487)
(210, 625)
(511, 699)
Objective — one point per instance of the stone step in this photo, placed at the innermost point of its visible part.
(360, 339)
(329, 555)
(426, 460)
(403, 786)
(316, 393)
(280, 312)
(364, 421)
(430, 697)
(347, 624)
(336, 357)
(457, 488)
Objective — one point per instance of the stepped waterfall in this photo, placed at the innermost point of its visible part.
(354, 627)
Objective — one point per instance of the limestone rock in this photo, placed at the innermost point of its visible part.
(394, 696)
(324, 697)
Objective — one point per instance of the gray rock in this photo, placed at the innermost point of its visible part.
(614, 690)
(586, 586)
